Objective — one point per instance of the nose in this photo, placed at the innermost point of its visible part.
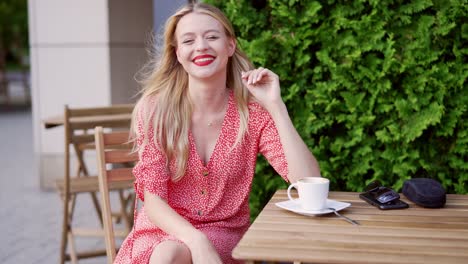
(201, 44)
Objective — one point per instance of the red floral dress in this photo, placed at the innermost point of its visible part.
(213, 198)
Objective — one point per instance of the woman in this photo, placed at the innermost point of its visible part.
(203, 117)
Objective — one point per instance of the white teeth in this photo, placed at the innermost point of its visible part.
(204, 59)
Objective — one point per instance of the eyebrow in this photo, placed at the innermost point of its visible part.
(204, 33)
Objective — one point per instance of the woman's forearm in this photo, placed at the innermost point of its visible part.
(301, 162)
(166, 218)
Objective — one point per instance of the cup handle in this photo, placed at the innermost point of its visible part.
(294, 185)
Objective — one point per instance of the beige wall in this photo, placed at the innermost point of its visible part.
(130, 24)
(83, 53)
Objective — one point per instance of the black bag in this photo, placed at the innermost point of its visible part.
(425, 192)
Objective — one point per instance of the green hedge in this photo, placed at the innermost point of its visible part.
(377, 88)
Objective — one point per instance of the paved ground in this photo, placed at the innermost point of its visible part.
(30, 219)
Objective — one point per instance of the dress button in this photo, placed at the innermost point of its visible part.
(203, 192)
(205, 173)
(199, 212)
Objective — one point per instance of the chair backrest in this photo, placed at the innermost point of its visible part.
(78, 121)
(79, 124)
(115, 162)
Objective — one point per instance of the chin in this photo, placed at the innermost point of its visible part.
(205, 74)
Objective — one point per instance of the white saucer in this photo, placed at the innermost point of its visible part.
(294, 206)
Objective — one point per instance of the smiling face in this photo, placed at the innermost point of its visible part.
(203, 48)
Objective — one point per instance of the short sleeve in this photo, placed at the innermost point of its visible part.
(150, 172)
(271, 148)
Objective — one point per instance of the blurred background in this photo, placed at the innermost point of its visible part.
(52, 53)
(14, 56)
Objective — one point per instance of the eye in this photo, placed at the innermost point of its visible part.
(187, 41)
(212, 37)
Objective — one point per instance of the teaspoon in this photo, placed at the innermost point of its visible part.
(354, 222)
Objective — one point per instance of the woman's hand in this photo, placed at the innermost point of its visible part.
(264, 86)
(200, 246)
(203, 251)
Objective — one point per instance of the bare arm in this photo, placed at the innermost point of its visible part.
(162, 215)
(301, 162)
(264, 85)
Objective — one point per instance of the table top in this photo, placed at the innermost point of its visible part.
(55, 121)
(413, 235)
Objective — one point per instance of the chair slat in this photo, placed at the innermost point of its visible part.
(80, 139)
(107, 110)
(110, 122)
(120, 137)
(120, 156)
(119, 174)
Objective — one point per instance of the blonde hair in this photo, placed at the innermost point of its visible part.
(164, 105)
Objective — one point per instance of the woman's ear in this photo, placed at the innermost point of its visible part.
(232, 46)
(176, 51)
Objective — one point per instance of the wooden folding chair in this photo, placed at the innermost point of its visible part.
(79, 124)
(113, 153)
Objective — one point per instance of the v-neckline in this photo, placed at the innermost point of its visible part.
(218, 139)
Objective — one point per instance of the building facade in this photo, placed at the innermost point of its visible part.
(85, 53)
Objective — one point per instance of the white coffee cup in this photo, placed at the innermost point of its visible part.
(313, 192)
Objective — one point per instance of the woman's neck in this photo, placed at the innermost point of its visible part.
(208, 96)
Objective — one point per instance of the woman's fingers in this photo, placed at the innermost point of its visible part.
(262, 73)
(254, 76)
(247, 76)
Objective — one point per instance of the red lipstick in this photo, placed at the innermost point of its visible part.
(203, 60)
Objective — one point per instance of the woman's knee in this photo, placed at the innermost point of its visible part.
(171, 252)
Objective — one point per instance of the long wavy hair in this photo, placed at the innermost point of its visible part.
(164, 106)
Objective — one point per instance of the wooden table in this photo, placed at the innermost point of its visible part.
(55, 121)
(413, 235)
